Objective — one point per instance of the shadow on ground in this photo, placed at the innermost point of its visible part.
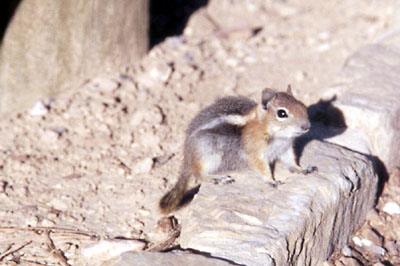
(169, 18)
(7, 11)
(328, 121)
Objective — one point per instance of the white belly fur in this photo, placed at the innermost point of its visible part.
(276, 148)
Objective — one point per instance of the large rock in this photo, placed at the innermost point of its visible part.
(299, 222)
(368, 94)
(52, 45)
(166, 259)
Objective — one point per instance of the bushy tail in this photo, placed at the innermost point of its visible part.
(171, 200)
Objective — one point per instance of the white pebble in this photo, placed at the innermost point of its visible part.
(107, 249)
(324, 47)
(58, 204)
(323, 36)
(377, 250)
(346, 251)
(38, 109)
(357, 241)
(232, 62)
(300, 75)
(392, 208)
(250, 59)
(47, 223)
(142, 167)
(366, 242)
(144, 212)
(161, 72)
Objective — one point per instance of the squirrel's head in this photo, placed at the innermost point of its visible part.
(284, 116)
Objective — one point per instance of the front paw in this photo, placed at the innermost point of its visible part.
(276, 183)
(305, 171)
(309, 169)
(296, 169)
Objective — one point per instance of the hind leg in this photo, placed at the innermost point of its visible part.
(207, 157)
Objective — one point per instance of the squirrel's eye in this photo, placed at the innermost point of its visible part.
(281, 113)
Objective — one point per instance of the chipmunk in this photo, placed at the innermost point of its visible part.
(236, 133)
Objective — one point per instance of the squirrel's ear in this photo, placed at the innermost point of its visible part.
(289, 90)
(266, 97)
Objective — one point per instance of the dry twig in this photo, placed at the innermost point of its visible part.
(166, 244)
(14, 250)
(58, 253)
(92, 235)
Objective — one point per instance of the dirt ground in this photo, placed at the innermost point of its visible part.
(91, 163)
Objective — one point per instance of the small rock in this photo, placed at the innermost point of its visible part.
(161, 73)
(155, 72)
(38, 109)
(361, 242)
(323, 36)
(148, 139)
(143, 166)
(300, 75)
(349, 262)
(174, 42)
(392, 208)
(58, 204)
(107, 249)
(144, 212)
(60, 130)
(47, 223)
(286, 10)
(49, 137)
(346, 251)
(377, 250)
(152, 115)
(232, 62)
(137, 118)
(105, 84)
(367, 246)
(121, 171)
(31, 221)
(250, 59)
(163, 158)
(324, 47)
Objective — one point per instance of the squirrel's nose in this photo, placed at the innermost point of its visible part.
(306, 126)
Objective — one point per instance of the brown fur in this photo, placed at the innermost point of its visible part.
(254, 139)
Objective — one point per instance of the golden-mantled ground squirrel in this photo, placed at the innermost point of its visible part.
(236, 133)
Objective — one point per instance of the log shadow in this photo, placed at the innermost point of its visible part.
(328, 121)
